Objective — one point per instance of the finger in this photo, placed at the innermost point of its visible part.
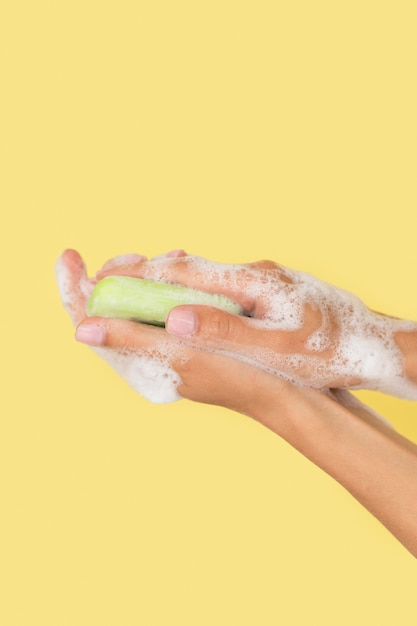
(215, 330)
(238, 282)
(130, 259)
(208, 325)
(123, 259)
(176, 254)
(118, 334)
(74, 285)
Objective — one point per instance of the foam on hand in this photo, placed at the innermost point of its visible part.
(148, 372)
(351, 344)
(364, 348)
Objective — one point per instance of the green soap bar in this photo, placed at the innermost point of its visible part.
(148, 301)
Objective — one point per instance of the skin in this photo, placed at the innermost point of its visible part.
(331, 428)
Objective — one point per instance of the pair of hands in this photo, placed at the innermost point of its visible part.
(287, 363)
(296, 329)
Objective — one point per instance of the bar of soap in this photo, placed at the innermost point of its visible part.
(148, 301)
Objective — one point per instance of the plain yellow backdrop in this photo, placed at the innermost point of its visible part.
(238, 131)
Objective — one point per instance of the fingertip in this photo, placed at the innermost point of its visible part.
(70, 258)
(176, 254)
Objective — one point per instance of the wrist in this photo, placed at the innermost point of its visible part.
(293, 412)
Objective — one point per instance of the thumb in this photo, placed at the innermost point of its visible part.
(206, 324)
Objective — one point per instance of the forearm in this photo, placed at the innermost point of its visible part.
(373, 462)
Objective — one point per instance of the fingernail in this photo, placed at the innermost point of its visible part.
(181, 322)
(91, 334)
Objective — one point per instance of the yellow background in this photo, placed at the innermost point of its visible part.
(238, 131)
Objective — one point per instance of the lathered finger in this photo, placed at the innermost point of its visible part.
(118, 334)
(74, 286)
(242, 284)
(123, 259)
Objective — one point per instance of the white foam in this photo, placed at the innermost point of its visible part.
(150, 375)
(73, 296)
(63, 281)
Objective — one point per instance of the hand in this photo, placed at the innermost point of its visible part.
(156, 365)
(296, 325)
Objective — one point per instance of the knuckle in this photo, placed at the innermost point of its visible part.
(223, 326)
(218, 325)
(264, 264)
